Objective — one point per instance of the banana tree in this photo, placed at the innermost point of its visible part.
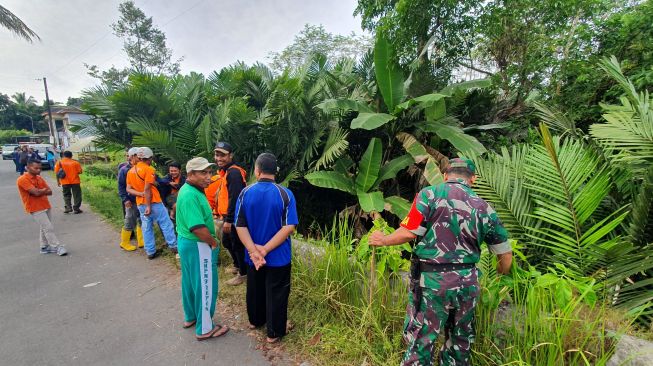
(365, 182)
(399, 114)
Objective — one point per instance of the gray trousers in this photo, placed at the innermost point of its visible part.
(132, 217)
(47, 236)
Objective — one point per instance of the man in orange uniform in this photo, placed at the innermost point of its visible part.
(222, 195)
(68, 171)
(141, 183)
(34, 192)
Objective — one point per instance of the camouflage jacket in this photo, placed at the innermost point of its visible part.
(452, 222)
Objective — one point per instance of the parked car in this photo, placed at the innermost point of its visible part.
(7, 150)
(41, 149)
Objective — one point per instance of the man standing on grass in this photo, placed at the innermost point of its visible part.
(169, 187)
(129, 209)
(67, 171)
(198, 252)
(34, 192)
(452, 222)
(141, 183)
(232, 180)
(265, 217)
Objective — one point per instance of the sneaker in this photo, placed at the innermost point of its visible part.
(238, 280)
(78, 211)
(67, 210)
(61, 250)
(48, 249)
(174, 250)
(152, 256)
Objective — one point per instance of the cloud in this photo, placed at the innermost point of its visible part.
(208, 34)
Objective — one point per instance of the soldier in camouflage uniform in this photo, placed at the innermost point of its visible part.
(452, 222)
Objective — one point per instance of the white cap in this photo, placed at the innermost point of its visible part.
(195, 164)
(133, 151)
(145, 153)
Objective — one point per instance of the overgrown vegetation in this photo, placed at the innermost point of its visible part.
(561, 133)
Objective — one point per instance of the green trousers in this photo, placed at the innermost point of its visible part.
(199, 282)
(74, 192)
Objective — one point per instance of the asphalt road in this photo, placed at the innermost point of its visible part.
(96, 306)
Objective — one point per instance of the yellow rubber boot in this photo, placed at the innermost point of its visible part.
(124, 240)
(139, 237)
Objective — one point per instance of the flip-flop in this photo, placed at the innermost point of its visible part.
(218, 331)
(251, 326)
(188, 324)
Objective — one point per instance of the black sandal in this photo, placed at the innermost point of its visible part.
(216, 332)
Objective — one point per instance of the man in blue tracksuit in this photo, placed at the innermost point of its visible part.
(265, 217)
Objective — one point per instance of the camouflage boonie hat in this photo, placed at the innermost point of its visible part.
(462, 163)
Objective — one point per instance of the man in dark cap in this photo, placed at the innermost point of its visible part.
(266, 215)
(222, 194)
(452, 222)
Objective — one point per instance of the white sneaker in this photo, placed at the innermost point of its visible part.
(61, 250)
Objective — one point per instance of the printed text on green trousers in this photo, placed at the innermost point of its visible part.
(448, 302)
(199, 283)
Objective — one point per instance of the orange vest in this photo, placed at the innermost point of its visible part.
(217, 193)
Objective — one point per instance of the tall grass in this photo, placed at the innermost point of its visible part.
(525, 318)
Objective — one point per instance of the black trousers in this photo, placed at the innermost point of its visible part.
(267, 298)
(236, 248)
(73, 191)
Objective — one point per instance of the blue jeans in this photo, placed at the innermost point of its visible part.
(158, 214)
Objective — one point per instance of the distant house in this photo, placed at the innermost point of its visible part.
(64, 117)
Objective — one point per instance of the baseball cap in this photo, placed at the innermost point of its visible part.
(267, 163)
(145, 153)
(223, 147)
(198, 163)
(462, 163)
(132, 151)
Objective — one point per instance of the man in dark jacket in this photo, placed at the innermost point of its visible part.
(232, 181)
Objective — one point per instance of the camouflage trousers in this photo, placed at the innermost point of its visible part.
(447, 303)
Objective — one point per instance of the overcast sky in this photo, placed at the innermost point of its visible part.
(209, 34)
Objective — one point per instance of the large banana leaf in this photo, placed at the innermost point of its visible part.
(331, 179)
(370, 121)
(419, 153)
(397, 206)
(372, 201)
(422, 101)
(389, 76)
(460, 140)
(369, 166)
(390, 169)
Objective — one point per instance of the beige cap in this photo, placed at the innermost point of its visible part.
(198, 163)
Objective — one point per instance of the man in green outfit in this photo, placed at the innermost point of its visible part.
(452, 222)
(198, 252)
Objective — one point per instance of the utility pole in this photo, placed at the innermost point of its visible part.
(51, 123)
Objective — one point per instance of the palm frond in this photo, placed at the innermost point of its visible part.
(16, 26)
(336, 145)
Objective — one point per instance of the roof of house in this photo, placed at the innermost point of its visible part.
(63, 109)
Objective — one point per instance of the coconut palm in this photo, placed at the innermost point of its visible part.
(16, 26)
